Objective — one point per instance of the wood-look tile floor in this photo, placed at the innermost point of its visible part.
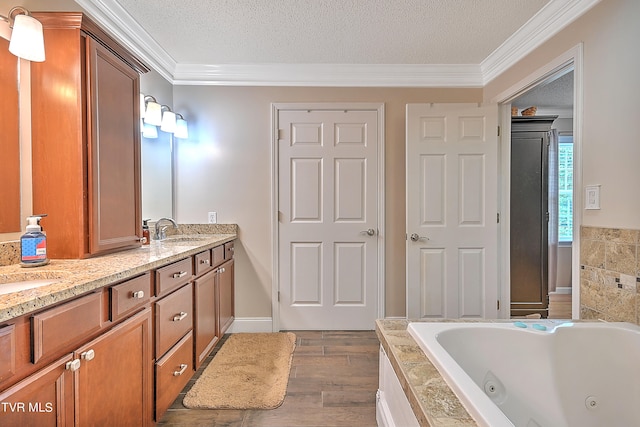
(333, 382)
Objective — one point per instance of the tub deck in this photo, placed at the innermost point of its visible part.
(434, 403)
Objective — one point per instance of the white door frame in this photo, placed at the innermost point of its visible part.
(571, 58)
(275, 283)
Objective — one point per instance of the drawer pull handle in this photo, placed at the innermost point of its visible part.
(74, 365)
(179, 317)
(179, 275)
(88, 355)
(204, 261)
(183, 367)
(138, 294)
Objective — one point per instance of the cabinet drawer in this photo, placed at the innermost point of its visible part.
(173, 372)
(8, 353)
(59, 327)
(173, 275)
(127, 296)
(202, 262)
(217, 255)
(174, 318)
(228, 250)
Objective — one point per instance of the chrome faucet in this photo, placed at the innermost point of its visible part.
(161, 231)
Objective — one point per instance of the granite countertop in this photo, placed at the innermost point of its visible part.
(78, 276)
(434, 403)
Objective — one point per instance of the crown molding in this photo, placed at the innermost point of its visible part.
(117, 21)
(335, 75)
(549, 21)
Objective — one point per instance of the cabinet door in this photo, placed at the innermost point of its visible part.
(43, 399)
(114, 382)
(226, 296)
(205, 315)
(114, 151)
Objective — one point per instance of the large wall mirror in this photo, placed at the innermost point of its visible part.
(157, 156)
(157, 177)
(10, 193)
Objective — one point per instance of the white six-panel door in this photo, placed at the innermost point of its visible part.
(328, 222)
(452, 233)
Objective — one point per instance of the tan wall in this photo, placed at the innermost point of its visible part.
(226, 167)
(611, 140)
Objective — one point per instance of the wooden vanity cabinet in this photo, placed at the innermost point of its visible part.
(205, 316)
(226, 300)
(113, 383)
(45, 398)
(85, 124)
(107, 381)
(213, 302)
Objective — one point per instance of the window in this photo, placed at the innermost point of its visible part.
(565, 188)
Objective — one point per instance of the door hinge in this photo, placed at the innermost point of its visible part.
(498, 217)
(498, 305)
(278, 296)
(280, 134)
(498, 130)
(547, 216)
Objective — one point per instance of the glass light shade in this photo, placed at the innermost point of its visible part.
(153, 114)
(182, 129)
(27, 40)
(142, 106)
(149, 131)
(168, 122)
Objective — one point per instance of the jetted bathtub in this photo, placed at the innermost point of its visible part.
(544, 373)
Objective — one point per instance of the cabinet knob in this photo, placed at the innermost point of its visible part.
(183, 367)
(138, 294)
(74, 365)
(88, 355)
(179, 274)
(204, 261)
(221, 270)
(142, 240)
(179, 317)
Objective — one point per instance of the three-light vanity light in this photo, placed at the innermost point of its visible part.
(153, 114)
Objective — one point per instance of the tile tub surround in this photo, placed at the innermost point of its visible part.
(83, 275)
(432, 400)
(610, 274)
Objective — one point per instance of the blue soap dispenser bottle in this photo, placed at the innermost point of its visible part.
(33, 243)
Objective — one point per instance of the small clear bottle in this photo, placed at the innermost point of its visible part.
(33, 243)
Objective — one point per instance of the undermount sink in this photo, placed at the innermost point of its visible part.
(184, 239)
(17, 282)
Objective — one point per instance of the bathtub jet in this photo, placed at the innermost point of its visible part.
(539, 373)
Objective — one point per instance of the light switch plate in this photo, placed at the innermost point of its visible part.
(213, 217)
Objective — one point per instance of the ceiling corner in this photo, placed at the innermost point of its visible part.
(549, 21)
(116, 20)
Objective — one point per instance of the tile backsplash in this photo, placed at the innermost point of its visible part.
(610, 274)
(10, 251)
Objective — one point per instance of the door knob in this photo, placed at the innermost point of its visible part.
(415, 237)
(369, 232)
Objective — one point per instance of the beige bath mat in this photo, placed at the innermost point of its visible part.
(250, 371)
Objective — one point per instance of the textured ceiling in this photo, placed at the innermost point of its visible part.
(331, 31)
(556, 94)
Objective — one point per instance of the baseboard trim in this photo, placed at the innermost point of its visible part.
(251, 324)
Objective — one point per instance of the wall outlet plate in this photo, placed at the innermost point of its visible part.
(213, 217)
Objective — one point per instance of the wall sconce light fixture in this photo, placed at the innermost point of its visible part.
(27, 40)
(182, 128)
(149, 131)
(168, 120)
(153, 114)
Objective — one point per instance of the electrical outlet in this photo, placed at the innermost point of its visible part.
(213, 217)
